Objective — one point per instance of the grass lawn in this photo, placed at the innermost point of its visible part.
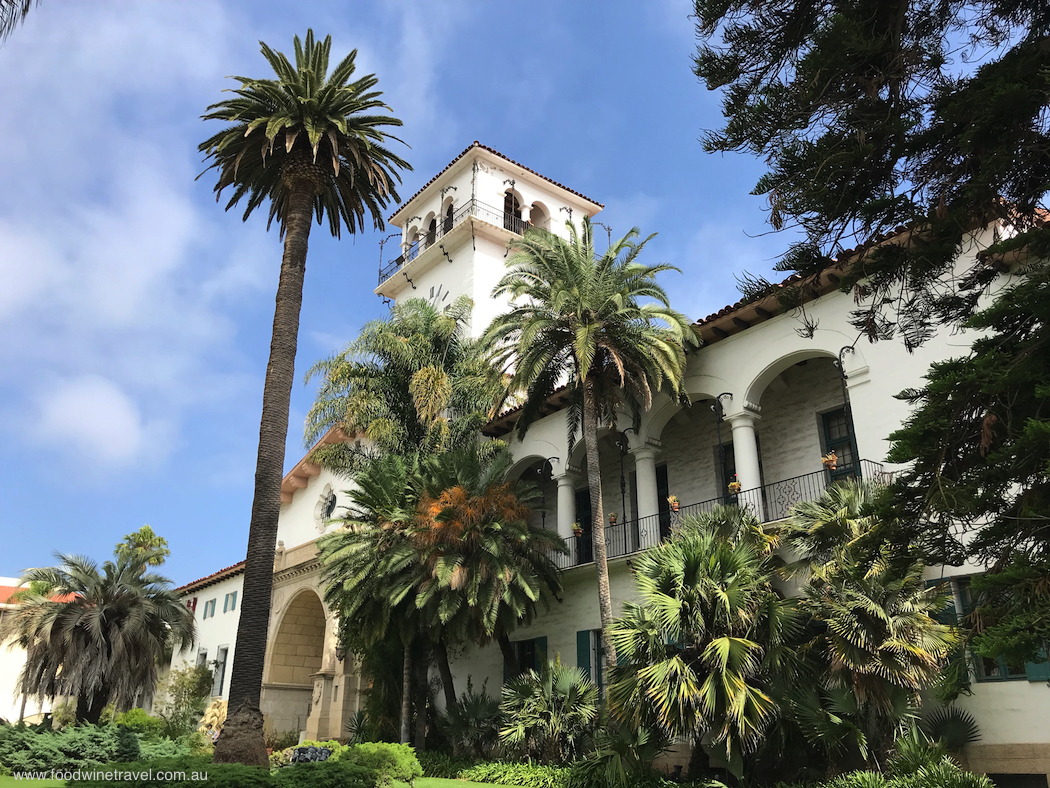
(432, 782)
(11, 782)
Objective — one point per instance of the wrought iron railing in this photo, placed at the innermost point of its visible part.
(472, 207)
(770, 502)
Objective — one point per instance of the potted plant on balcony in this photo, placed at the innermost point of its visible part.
(734, 486)
(830, 460)
(577, 529)
(612, 518)
(673, 500)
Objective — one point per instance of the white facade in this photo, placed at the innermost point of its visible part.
(784, 405)
(216, 606)
(12, 659)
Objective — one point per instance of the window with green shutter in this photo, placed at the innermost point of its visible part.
(583, 651)
(989, 668)
(530, 654)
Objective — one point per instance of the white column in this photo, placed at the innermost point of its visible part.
(526, 212)
(566, 504)
(745, 451)
(648, 495)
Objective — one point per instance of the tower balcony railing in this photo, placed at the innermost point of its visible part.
(770, 502)
(471, 208)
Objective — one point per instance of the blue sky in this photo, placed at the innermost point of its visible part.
(135, 314)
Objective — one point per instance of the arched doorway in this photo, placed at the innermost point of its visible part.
(296, 653)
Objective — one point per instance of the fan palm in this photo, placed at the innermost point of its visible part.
(551, 714)
(844, 521)
(699, 650)
(96, 634)
(310, 143)
(578, 318)
(410, 382)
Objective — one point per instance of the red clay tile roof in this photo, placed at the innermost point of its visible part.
(495, 152)
(214, 577)
(6, 592)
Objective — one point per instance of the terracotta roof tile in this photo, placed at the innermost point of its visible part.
(495, 152)
(213, 578)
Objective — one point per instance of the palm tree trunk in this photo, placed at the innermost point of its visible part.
(421, 691)
(594, 482)
(406, 694)
(246, 746)
(446, 674)
(509, 655)
(22, 709)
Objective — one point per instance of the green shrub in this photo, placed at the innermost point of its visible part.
(141, 722)
(471, 725)
(64, 714)
(527, 775)
(441, 764)
(72, 747)
(390, 762)
(944, 774)
(159, 749)
(323, 775)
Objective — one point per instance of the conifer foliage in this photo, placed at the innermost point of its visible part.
(873, 116)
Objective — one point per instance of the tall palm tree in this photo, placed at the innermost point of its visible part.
(598, 323)
(310, 143)
(95, 634)
(412, 381)
(700, 649)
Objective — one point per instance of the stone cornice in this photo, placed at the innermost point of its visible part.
(305, 568)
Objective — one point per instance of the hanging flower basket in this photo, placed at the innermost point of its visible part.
(830, 460)
(673, 500)
(612, 518)
(734, 486)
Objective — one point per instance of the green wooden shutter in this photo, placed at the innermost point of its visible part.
(949, 616)
(583, 651)
(541, 653)
(1038, 671)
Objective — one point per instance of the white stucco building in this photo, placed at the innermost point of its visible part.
(766, 404)
(12, 658)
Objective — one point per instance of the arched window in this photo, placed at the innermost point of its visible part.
(432, 232)
(447, 224)
(511, 213)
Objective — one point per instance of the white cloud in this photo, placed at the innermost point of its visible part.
(92, 415)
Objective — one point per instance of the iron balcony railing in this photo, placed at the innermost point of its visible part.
(770, 502)
(472, 207)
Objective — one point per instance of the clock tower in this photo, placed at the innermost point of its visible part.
(457, 229)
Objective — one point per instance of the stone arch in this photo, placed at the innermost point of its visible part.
(430, 228)
(297, 648)
(773, 358)
(533, 458)
(698, 387)
(447, 213)
(540, 215)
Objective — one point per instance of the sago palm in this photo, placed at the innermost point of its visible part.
(309, 143)
(412, 381)
(96, 634)
(598, 323)
(699, 650)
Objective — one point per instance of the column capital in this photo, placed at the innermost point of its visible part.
(748, 414)
(646, 449)
(568, 477)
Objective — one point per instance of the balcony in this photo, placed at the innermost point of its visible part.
(771, 502)
(471, 208)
